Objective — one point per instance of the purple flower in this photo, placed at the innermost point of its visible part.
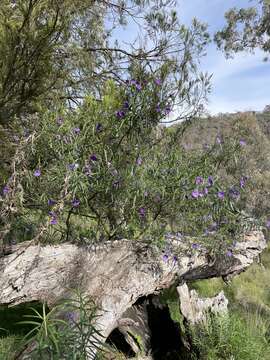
(126, 105)
(136, 83)
(243, 182)
(139, 161)
(71, 317)
(221, 194)
(53, 221)
(168, 109)
(98, 127)
(93, 157)
(6, 190)
(165, 257)
(175, 258)
(142, 212)
(73, 167)
(120, 114)
(76, 130)
(158, 82)
(158, 108)
(242, 142)
(51, 202)
(75, 203)
(196, 194)
(229, 253)
(53, 216)
(268, 223)
(37, 173)
(198, 180)
(205, 191)
(194, 246)
(234, 193)
(210, 181)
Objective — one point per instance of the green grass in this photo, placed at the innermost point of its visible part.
(8, 347)
(232, 337)
(9, 318)
(245, 334)
(208, 288)
(12, 333)
(170, 297)
(250, 288)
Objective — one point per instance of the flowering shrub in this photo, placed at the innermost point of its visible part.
(107, 170)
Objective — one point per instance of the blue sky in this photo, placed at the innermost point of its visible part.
(241, 83)
(238, 84)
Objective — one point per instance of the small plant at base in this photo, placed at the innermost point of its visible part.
(68, 331)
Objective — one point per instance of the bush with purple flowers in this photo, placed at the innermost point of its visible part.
(93, 177)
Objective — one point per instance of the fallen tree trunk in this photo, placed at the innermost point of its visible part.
(115, 275)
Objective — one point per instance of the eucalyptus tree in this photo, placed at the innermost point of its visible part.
(246, 29)
(62, 50)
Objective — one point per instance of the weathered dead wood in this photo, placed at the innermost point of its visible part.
(195, 309)
(115, 276)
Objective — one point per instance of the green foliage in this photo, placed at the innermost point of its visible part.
(208, 287)
(252, 161)
(249, 301)
(170, 297)
(53, 50)
(68, 41)
(231, 337)
(10, 316)
(251, 288)
(8, 347)
(246, 29)
(67, 331)
(107, 170)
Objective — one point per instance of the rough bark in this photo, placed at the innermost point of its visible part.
(195, 309)
(115, 275)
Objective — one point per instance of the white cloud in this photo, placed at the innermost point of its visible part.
(237, 85)
(223, 68)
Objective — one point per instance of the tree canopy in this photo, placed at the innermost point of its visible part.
(246, 29)
(64, 50)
